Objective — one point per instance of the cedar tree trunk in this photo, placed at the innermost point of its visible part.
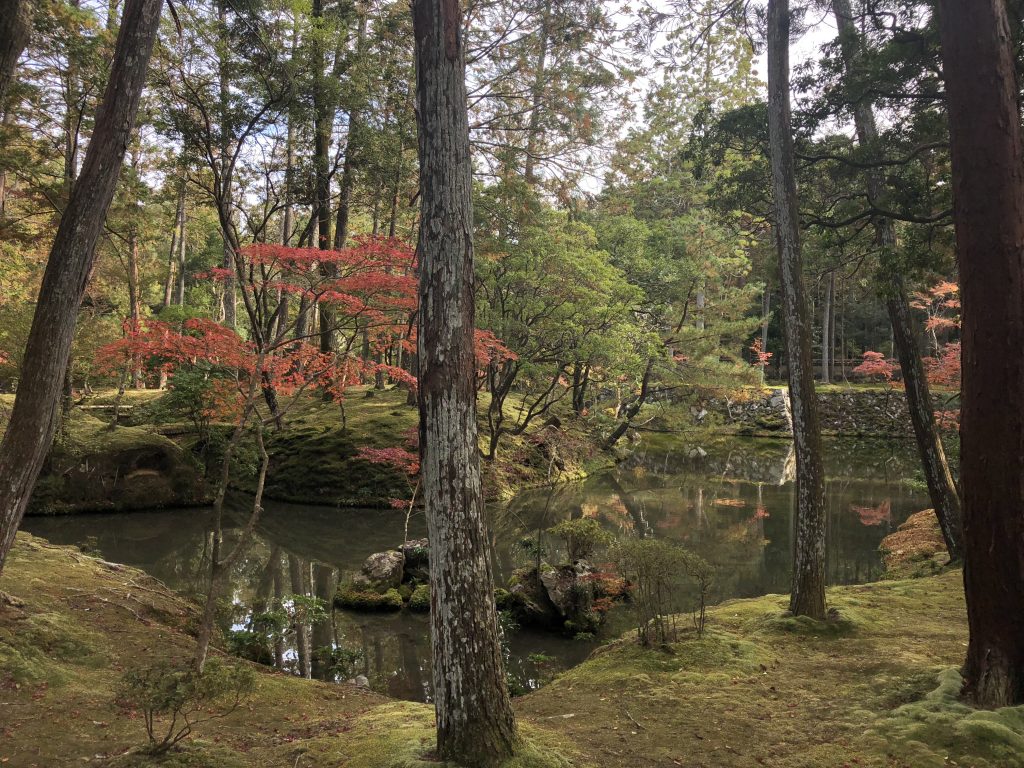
(475, 723)
(988, 211)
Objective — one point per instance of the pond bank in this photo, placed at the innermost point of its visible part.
(875, 689)
(150, 462)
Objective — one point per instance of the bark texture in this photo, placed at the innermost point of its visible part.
(941, 488)
(34, 416)
(808, 595)
(475, 723)
(988, 211)
(15, 26)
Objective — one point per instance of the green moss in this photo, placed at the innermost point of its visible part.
(95, 466)
(194, 754)
(882, 694)
(365, 600)
(837, 624)
(29, 649)
(401, 735)
(420, 600)
(941, 727)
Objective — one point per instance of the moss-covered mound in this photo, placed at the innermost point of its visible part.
(916, 548)
(96, 466)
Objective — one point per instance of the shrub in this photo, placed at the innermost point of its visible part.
(655, 571)
(652, 568)
(582, 537)
(182, 697)
(702, 574)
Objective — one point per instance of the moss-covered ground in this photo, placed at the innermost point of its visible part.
(876, 687)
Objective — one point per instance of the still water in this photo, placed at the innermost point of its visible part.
(731, 502)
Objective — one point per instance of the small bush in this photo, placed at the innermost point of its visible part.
(340, 663)
(582, 537)
(183, 698)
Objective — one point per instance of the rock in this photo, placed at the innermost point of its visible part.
(381, 571)
(354, 598)
(697, 453)
(529, 601)
(559, 598)
(567, 588)
(361, 680)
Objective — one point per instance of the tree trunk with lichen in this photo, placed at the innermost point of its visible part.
(34, 416)
(808, 589)
(475, 723)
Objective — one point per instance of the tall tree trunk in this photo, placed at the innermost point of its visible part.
(34, 416)
(988, 211)
(475, 723)
(172, 256)
(348, 168)
(533, 132)
(941, 488)
(134, 301)
(766, 316)
(808, 595)
(226, 168)
(826, 329)
(15, 27)
(321, 171)
(297, 574)
(179, 290)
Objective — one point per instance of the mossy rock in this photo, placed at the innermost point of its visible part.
(361, 600)
(420, 599)
(504, 600)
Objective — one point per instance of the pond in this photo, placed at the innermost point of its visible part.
(731, 502)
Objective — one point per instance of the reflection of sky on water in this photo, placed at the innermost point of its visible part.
(732, 506)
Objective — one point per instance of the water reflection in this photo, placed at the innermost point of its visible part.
(729, 502)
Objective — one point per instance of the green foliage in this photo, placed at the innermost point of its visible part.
(339, 662)
(182, 697)
(928, 729)
(582, 537)
(276, 623)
